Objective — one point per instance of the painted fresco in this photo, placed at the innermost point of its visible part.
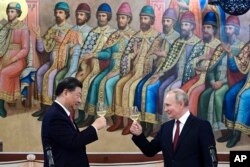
(162, 45)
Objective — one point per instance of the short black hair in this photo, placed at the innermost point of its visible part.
(68, 83)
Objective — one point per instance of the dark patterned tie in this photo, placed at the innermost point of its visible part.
(71, 118)
(176, 135)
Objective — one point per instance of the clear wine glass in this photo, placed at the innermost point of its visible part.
(134, 113)
(101, 110)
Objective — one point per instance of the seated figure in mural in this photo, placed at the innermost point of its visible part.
(74, 40)
(89, 68)
(236, 102)
(169, 35)
(15, 46)
(219, 78)
(50, 45)
(79, 31)
(136, 63)
(100, 91)
(195, 71)
(171, 70)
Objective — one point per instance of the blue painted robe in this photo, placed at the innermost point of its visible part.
(101, 88)
(236, 102)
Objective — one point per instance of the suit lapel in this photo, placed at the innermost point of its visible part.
(169, 137)
(185, 129)
(60, 109)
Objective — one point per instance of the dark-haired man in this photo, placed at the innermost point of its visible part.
(60, 133)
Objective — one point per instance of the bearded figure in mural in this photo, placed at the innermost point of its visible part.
(76, 36)
(171, 70)
(51, 44)
(219, 78)
(195, 6)
(168, 36)
(89, 68)
(101, 88)
(136, 63)
(193, 81)
(236, 102)
(15, 46)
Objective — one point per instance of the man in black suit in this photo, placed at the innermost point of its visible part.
(187, 143)
(60, 133)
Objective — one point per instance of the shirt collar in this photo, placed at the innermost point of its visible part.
(184, 117)
(65, 109)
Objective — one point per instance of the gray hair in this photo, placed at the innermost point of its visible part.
(180, 96)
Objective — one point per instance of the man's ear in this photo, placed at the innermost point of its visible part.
(65, 92)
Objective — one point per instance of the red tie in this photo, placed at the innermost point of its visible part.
(176, 135)
(71, 118)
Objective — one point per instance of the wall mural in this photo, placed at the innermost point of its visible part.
(155, 46)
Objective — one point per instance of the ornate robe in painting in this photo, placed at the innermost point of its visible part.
(167, 41)
(15, 44)
(113, 51)
(76, 37)
(211, 100)
(57, 60)
(94, 43)
(198, 62)
(133, 68)
(236, 102)
(153, 94)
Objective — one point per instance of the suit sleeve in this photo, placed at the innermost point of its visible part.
(62, 132)
(206, 139)
(148, 148)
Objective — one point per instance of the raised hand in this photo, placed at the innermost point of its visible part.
(227, 48)
(136, 128)
(154, 78)
(100, 123)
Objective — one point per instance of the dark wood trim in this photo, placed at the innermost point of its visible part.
(102, 158)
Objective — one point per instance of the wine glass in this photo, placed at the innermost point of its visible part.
(134, 113)
(101, 110)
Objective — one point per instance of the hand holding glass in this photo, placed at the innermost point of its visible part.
(134, 113)
(101, 110)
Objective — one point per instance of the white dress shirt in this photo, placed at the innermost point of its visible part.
(182, 120)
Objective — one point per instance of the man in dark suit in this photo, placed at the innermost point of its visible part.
(60, 132)
(184, 144)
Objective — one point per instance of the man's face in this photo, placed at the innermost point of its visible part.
(186, 29)
(73, 98)
(230, 32)
(102, 19)
(60, 16)
(12, 14)
(145, 23)
(208, 32)
(122, 21)
(81, 18)
(167, 25)
(171, 106)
